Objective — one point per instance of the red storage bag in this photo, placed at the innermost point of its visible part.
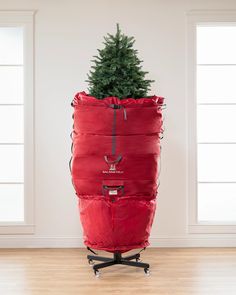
(115, 153)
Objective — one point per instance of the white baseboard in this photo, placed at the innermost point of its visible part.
(40, 242)
(165, 242)
(77, 242)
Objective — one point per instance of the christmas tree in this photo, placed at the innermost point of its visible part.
(117, 70)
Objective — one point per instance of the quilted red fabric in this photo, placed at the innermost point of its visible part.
(115, 152)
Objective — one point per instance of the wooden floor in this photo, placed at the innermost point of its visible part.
(202, 271)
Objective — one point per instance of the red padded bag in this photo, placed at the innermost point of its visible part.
(115, 156)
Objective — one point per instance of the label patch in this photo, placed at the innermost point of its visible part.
(112, 171)
(113, 192)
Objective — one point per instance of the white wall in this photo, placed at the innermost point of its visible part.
(67, 34)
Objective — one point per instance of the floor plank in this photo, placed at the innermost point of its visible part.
(174, 271)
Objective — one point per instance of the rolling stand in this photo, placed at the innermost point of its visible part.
(117, 259)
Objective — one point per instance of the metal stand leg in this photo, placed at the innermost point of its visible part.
(131, 257)
(117, 259)
(99, 258)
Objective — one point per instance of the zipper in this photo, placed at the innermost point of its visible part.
(115, 107)
(113, 134)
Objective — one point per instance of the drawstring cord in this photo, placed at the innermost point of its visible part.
(109, 162)
(88, 248)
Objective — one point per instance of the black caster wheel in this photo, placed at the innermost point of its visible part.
(147, 271)
(90, 262)
(96, 273)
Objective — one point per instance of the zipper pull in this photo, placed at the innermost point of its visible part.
(125, 114)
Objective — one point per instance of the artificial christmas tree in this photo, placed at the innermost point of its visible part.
(116, 148)
(117, 71)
